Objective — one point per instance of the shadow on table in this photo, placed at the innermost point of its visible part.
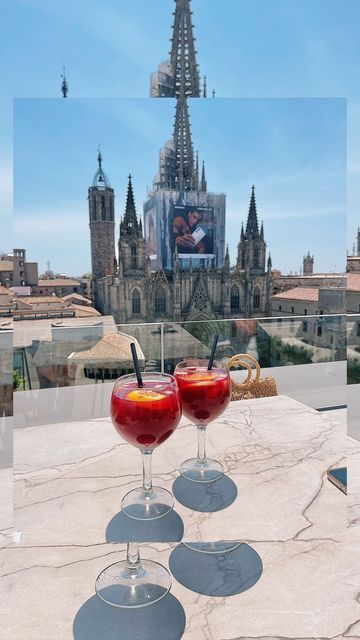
(220, 575)
(207, 497)
(169, 528)
(164, 620)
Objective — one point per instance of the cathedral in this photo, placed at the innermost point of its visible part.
(175, 266)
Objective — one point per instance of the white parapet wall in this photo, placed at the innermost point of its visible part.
(317, 385)
(353, 399)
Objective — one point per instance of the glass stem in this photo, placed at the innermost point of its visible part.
(147, 483)
(133, 565)
(201, 430)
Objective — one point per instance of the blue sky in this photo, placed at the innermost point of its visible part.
(247, 48)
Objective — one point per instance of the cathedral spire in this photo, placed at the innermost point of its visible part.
(130, 224)
(185, 178)
(252, 227)
(197, 171)
(64, 84)
(183, 53)
(205, 87)
(203, 179)
(227, 258)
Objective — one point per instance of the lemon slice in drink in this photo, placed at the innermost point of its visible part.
(144, 395)
(203, 376)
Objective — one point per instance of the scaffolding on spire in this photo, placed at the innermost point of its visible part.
(179, 76)
(185, 174)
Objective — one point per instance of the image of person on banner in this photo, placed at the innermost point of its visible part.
(187, 233)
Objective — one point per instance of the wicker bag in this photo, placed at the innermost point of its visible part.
(256, 387)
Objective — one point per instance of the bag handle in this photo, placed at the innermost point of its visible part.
(239, 360)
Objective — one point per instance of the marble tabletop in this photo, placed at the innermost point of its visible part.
(70, 479)
(293, 576)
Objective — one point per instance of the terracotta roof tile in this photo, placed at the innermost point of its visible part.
(308, 294)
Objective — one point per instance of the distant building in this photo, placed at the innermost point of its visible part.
(281, 282)
(58, 286)
(6, 302)
(16, 271)
(353, 261)
(353, 293)
(303, 301)
(308, 264)
(40, 307)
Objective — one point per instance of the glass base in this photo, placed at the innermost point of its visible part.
(120, 587)
(219, 547)
(208, 470)
(140, 505)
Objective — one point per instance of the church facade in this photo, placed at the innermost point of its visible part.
(169, 283)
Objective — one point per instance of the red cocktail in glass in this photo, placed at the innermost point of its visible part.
(204, 395)
(146, 417)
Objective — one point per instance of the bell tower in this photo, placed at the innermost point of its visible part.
(102, 224)
(308, 264)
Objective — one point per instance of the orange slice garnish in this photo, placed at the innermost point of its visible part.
(203, 376)
(144, 395)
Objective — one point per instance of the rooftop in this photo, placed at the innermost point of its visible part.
(308, 294)
(76, 296)
(59, 282)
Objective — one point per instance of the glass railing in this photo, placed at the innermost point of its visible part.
(6, 373)
(353, 349)
(62, 354)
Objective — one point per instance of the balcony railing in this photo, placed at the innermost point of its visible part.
(306, 355)
(353, 375)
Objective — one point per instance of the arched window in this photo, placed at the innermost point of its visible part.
(160, 301)
(136, 307)
(133, 256)
(256, 257)
(235, 298)
(256, 298)
(103, 210)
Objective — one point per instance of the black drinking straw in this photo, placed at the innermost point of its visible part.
(136, 365)
(211, 361)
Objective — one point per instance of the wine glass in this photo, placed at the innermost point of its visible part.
(205, 394)
(133, 583)
(146, 416)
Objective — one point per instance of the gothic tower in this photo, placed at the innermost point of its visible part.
(132, 246)
(179, 76)
(252, 246)
(308, 264)
(102, 225)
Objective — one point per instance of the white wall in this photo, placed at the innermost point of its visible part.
(353, 397)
